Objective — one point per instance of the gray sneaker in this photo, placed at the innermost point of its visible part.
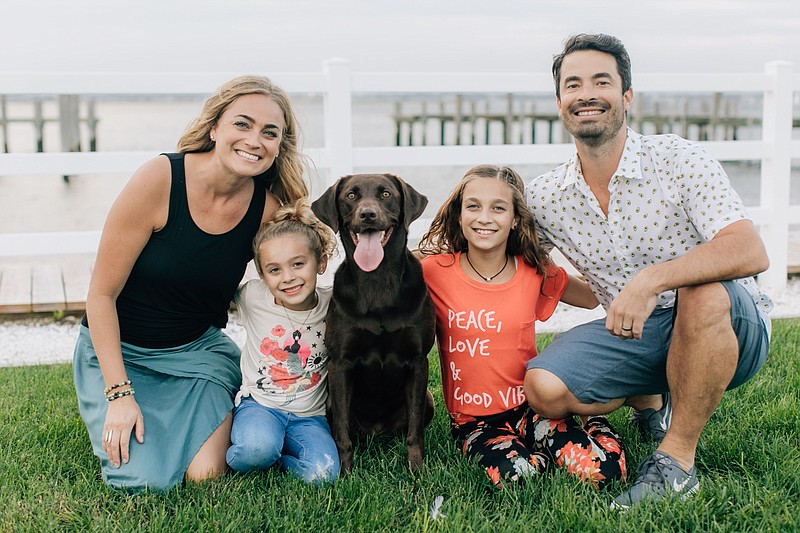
(659, 477)
(652, 424)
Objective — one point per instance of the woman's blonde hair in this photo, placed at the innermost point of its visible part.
(297, 219)
(286, 176)
(444, 236)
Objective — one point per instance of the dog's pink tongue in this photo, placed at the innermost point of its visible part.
(369, 252)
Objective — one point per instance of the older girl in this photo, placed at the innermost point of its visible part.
(490, 282)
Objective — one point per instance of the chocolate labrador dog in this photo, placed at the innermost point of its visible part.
(380, 323)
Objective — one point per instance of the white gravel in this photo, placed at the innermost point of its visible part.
(37, 341)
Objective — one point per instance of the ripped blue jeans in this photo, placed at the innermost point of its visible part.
(262, 437)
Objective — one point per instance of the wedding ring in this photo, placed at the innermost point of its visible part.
(627, 329)
(109, 433)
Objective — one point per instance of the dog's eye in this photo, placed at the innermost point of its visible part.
(385, 194)
(351, 195)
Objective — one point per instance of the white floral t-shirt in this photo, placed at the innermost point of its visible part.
(667, 196)
(284, 359)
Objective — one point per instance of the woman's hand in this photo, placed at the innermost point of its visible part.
(123, 418)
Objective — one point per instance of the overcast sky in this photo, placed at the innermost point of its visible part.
(389, 35)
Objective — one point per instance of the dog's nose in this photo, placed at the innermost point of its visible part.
(368, 214)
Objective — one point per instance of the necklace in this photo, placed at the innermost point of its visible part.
(297, 333)
(487, 278)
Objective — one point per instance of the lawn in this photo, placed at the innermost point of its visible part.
(749, 463)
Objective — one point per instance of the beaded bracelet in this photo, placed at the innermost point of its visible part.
(118, 385)
(114, 395)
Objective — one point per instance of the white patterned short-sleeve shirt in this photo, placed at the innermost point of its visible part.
(667, 196)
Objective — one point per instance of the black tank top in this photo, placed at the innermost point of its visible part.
(184, 279)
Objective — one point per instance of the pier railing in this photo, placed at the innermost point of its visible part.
(338, 84)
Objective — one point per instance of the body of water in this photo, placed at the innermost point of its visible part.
(48, 203)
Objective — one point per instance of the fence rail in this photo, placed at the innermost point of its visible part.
(338, 84)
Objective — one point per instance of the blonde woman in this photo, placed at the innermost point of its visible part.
(154, 373)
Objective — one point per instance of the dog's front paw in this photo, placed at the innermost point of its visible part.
(415, 456)
(345, 462)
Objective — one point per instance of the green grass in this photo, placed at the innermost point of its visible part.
(749, 463)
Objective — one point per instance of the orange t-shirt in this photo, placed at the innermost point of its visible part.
(485, 333)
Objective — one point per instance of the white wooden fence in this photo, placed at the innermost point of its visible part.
(338, 83)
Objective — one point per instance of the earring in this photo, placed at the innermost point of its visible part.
(212, 138)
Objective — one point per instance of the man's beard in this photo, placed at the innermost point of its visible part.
(597, 134)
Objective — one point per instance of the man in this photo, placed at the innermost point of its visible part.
(655, 227)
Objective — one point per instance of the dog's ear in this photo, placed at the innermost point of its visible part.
(414, 203)
(326, 206)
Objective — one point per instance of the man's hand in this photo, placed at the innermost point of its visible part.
(632, 307)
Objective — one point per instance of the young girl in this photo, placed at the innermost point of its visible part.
(279, 413)
(490, 281)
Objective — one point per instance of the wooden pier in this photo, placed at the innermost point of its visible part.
(69, 121)
(456, 121)
(471, 122)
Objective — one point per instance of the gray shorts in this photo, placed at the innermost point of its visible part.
(598, 367)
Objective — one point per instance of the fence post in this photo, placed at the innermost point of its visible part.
(4, 122)
(776, 170)
(337, 104)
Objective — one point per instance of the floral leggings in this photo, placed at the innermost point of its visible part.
(519, 443)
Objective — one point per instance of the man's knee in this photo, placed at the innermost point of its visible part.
(547, 395)
(705, 304)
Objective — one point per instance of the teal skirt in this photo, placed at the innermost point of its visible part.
(184, 393)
